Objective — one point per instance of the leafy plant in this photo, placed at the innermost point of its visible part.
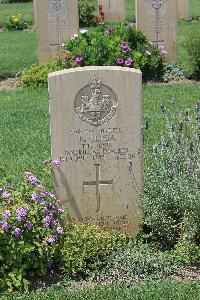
(171, 188)
(136, 262)
(17, 22)
(85, 247)
(191, 45)
(37, 75)
(120, 45)
(174, 72)
(30, 228)
(87, 13)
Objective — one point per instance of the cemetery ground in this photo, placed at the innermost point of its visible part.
(25, 136)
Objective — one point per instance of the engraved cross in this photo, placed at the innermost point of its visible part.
(158, 41)
(98, 183)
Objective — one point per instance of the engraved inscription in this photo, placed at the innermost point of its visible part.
(156, 4)
(96, 103)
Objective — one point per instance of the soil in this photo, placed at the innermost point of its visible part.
(10, 84)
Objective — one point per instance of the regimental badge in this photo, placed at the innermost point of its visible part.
(96, 103)
(156, 4)
(55, 7)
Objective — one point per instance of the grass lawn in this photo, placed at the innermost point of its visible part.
(149, 291)
(18, 50)
(7, 10)
(24, 126)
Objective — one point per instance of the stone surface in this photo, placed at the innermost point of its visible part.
(96, 133)
(114, 10)
(158, 19)
(183, 8)
(56, 21)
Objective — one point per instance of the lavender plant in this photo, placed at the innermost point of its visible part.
(30, 229)
(172, 179)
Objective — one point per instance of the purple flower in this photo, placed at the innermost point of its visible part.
(47, 221)
(46, 211)
(61, 211)
(79, 59)
(164, 52)
(46, 162)
(60, 230)
(42, 202)
(35, 196)
(128, 62)
(7, 214)
(4, 226)
(52, 196)
(56, 162)
(148, 53)
(17, 232)
(123, 46)
(43, 194)
(56, 223)
(120, 61)
(1, 189)
(29, 225)
(5, 195)
(21, 212)
(51, 240)
(9, 185)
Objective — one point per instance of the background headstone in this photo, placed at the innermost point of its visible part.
(96, 133)
(56, 21)
(34, 13)
(158, 19)
(183, 8)
(114, 10)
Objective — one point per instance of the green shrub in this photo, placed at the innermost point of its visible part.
(120, 45)
(174, 72)
(87, 13)
(30, 229)
(191, 63)
(187, 253)
(17, 22)
(135, 263)
(171, 177)
(37, 75)
(85, 247)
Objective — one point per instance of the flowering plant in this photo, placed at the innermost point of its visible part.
(120, 45)
(18, 22)
(30, 229)
(87, 10)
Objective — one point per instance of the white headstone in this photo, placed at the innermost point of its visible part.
(96, 117)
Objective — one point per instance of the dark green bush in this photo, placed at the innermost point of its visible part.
(191, 45)
(85, 247)
(120, 45)
(135, 263)
(87, 13)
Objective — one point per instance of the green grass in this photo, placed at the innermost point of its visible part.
(24, 126)
(18, 50)
(7, 10)
(24, 130)
(150, 291)
(194, 8)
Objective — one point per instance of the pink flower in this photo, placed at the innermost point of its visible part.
(79, 59)
(148, 53)
(120, 61)
(5, 195)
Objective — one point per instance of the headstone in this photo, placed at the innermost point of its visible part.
(114, 10)
(34, 13)
(183, 8)
(57, 20)
(158, 19)
(96, 133)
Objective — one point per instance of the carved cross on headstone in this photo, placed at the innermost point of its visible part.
(157, 41)
(98, 183)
